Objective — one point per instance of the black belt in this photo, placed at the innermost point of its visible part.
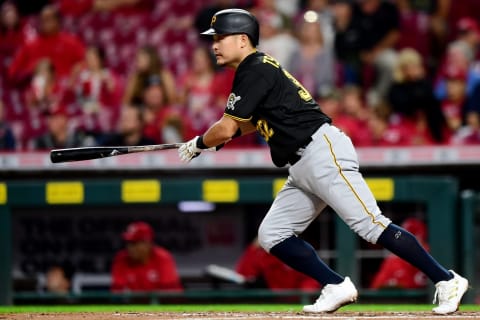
(297, 155)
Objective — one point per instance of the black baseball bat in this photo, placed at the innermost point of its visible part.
(89, 153)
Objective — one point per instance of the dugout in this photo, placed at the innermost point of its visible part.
(241, 185)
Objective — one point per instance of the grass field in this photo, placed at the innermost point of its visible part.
(218, 308)
(229, 312)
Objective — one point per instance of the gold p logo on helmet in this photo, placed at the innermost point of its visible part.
(214, 18)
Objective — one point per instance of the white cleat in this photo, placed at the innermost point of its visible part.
(449, 293)
(334, 296)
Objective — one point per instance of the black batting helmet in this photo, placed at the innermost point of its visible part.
(234, 21)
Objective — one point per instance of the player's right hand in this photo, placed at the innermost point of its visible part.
(190, 150)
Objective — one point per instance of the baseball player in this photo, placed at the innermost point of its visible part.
(323, 167)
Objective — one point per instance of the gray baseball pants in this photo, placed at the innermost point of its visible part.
(326, 174)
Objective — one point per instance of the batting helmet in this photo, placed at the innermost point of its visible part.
(234, 21)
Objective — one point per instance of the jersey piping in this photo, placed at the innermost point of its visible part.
(340, 171)
(237, 118)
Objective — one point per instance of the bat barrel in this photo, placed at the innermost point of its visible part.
(88, 153)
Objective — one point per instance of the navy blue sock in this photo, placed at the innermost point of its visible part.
(404, 244)
(301, 256)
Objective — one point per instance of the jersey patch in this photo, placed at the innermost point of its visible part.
(232, 99)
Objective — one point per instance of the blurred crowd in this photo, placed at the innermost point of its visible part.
(128, 72)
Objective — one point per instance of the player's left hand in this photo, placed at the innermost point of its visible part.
(190, 150)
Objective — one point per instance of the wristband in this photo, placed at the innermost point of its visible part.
(200, 143)
(237, 134)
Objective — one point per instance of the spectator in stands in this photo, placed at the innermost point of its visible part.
(384, 133)
(263, 269)
(259, 7)
(397, 273)
(13, 33)
(313, 63)
(468, 134)
(412, 100)
(325, 18)
(148, 65)
(334, 108)
(59, 134)
(355, 114)
(163, 123)
(455, 11)
(414, 29)
(347, 42)
(274, 39)
(97, 91)
(44, 88)
(468, 31)
(43, 92)
(460, 56)
(62, 48)
(7, 138)
(142, 265)
(379, 24)
(130, 131)
(454, 104)
(202, 91)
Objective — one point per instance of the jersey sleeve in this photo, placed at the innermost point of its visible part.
(169, 278)
(249, 89)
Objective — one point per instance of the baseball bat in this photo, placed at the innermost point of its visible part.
(89, 153)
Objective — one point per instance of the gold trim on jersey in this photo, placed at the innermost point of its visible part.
(350, 185)
(237, 118)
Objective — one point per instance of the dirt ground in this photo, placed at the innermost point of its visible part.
(236, 316)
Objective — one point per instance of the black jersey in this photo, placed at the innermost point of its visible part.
(281, 109)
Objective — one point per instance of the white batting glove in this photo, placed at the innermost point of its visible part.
(190, 150)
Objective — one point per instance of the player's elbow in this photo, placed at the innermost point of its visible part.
(228, 128)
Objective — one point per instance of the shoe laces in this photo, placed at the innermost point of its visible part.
(445, 292)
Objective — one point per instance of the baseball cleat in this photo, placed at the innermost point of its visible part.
(449, 293)
(334, 296)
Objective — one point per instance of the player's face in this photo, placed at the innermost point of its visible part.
(226, 49)
(138, 251)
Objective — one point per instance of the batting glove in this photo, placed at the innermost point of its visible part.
(192, 149)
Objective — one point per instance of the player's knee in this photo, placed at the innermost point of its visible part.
(372, 232)
(268, 237)
(370, 229)
(263, 238)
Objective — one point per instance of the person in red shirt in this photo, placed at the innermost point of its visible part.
(202, 91)
(454, 104)
(13, 33)
(62, 48)
(142, 265)
(386, 130)
(257, 265)
(412, 99)
(97, 91)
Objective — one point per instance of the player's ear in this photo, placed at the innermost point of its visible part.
(244, 40)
